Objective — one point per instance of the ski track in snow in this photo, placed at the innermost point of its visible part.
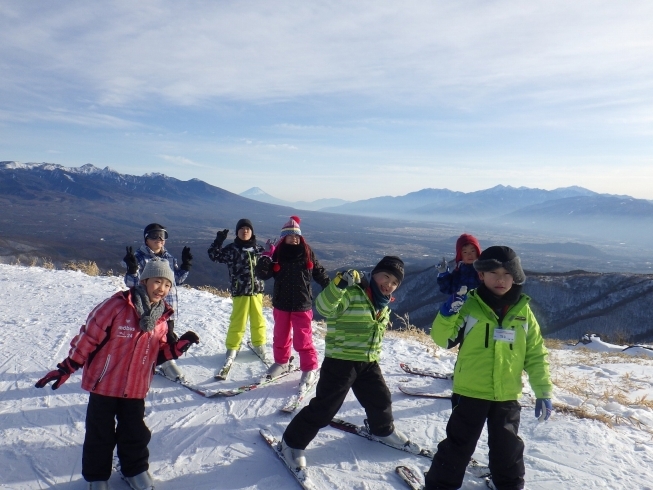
(200, 443)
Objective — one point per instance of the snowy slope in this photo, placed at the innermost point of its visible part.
(202, 443)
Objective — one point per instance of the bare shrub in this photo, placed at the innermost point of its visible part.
(222, 293)
(85, 266)
(267, 301)
(33, 261)
(47, 263)
(403, 329)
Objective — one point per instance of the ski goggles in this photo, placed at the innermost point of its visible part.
(157, 235)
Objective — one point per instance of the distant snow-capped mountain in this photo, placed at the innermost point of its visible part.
(258, 194)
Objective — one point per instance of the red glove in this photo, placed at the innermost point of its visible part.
(184, 343)
(64, 369)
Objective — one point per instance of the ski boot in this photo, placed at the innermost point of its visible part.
(142, 481)
(276, 370)
(172, 371)
(294, 457)
(98, 485)
(308, 378)
(262, 352)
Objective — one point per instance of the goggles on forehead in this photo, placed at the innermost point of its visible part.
(157, 235)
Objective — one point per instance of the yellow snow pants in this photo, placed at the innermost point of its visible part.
(246, 306)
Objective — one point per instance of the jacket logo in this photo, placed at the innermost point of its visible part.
(125, 332)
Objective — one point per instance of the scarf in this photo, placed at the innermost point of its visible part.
(379, 300)
(288, 253)
(251, 243)
(149, 313)
(500, 304)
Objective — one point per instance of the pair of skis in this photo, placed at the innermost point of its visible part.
(307, 481)
(226, 368)
(444, 392)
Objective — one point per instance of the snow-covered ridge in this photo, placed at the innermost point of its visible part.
(202, 443)
(87, 169)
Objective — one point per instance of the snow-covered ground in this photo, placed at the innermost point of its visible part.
(214, 443)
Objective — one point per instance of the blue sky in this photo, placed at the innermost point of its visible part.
(335, 99)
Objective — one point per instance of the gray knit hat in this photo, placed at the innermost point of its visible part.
(158, 268)
(494, 257)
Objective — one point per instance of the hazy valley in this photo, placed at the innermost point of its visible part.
(87, 213)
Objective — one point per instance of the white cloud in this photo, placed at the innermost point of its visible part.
(183, 161)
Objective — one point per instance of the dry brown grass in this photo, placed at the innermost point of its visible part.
(86, 266)
(47, 263)
(593, 390)
(402, 329)
(222, 293)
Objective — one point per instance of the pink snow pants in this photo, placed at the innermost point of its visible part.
(301, 338)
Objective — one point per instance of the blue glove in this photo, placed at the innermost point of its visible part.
(455, 302)
(543, 409)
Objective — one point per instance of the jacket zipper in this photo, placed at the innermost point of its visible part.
(487, 335)
(104, 371)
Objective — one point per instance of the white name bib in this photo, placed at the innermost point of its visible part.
(504, 335)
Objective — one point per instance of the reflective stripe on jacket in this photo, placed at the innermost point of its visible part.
(492, 369)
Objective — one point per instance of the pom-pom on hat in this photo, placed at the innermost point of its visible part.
(494, 257)
(463, 240)
(291, 227)
(244, 223)
(158, 268)
(392, 265)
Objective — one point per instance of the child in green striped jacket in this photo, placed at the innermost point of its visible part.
(357, 313)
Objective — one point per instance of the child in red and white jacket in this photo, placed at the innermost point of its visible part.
(122, 341)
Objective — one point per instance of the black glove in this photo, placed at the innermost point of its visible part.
(59, 375)
(220, 237)
(186, 259)
(184, 343)
(130, 261)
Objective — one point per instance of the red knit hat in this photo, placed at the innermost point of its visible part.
(463, 240)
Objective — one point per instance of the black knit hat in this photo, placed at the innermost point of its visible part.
(244, 222)
(392, 265)
(494, 257)
(154, 227)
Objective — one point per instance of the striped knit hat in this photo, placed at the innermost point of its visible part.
(291, 227)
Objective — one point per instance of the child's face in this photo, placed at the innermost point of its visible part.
(291, 239)
(468, 253)
(499, 281)
(386, 282)
(245, 233)
(155, 244)
(157, 288)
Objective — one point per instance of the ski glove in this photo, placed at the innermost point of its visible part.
(269, 248)
(184, 343)
(442, 266)
(348, 278)
(186, 259)
(455, 302)
(130, 261)
(60, 375)
(220, 237)
(543, 409)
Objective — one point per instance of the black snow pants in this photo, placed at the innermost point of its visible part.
(337, 376)
(464, 428)
(131, 435)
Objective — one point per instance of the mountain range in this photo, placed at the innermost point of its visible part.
(258, 194)
(87, 213)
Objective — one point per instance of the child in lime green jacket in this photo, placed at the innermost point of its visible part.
(501, 340)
